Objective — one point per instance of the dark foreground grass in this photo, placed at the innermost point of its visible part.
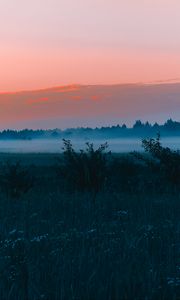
(120, 243)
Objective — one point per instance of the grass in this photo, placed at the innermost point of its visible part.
(56, 243)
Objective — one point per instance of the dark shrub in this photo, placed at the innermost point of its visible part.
(15, 180)
(126, 173)
(86, 169)
(166, 159)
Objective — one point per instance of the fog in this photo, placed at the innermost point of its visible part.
(117, 145)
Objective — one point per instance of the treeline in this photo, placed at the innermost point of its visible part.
(139, 129)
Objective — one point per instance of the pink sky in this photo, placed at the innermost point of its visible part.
(56, 42)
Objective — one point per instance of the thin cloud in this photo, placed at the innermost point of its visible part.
(96, 97)
(77, 97)
(38, 100)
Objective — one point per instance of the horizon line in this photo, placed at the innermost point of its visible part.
(90, 127)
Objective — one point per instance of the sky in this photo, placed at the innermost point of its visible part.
(65, 44)
(89, 105)
(45, 43)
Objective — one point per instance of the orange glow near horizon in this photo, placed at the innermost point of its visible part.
(93, 103)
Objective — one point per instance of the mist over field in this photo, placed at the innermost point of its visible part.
(117, 145)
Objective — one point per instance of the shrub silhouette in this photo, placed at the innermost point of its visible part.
(168, 160)
(125, 173)
(15, 180)
(86, 169)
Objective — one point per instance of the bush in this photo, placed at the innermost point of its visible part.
(86, 169)
(167, 159)
(15, 180)
(126, 174)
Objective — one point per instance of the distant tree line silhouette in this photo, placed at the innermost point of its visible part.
(139, 129)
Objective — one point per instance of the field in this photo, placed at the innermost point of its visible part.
(62, 241)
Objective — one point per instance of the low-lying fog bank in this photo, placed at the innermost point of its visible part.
(119, 145)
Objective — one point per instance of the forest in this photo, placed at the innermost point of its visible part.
(139, 129)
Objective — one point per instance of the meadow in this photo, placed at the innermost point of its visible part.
(90, 225)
